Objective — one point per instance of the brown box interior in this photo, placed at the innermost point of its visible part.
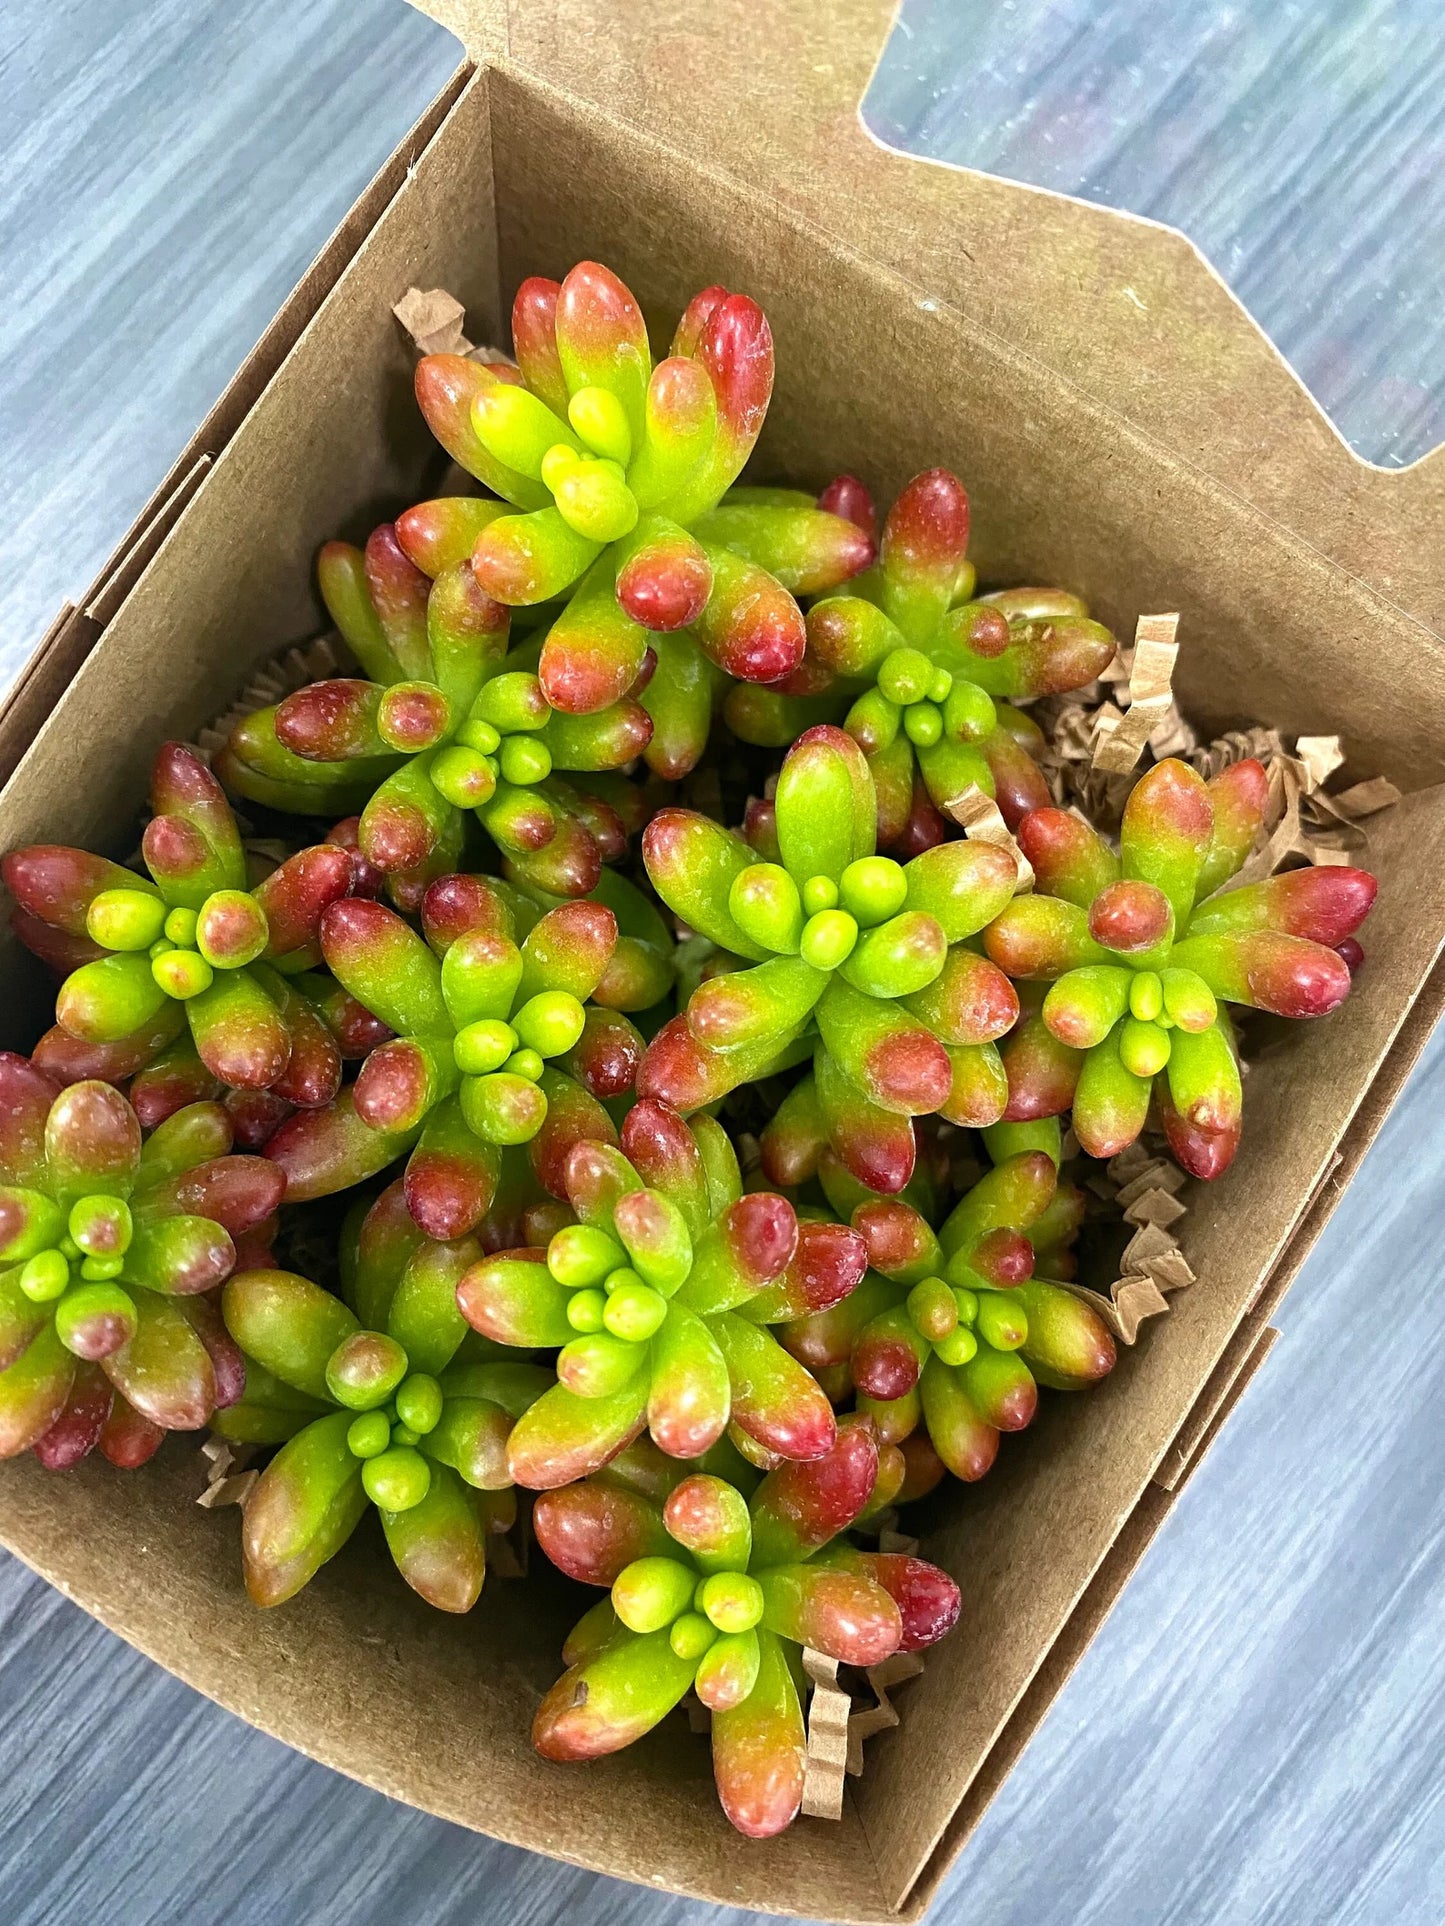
(525, 179)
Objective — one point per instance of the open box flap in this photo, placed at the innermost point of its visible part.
(1129, 311)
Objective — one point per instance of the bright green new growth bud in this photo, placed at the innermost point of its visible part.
(182, 974)
(958, 1347)
(557, 463)
(402, 1434)
(580, 1255)
(1146, 995)
(419, 1403)
(68, 1247)
(397, 1479)
(968, 713)
(819, 893)
(125, 919)
(596, 1365)
(1188, 999)
(873, 889)
(941, 687)
(1144, 1048)
(101, 1226)
(651, 1592)
(765, 904)
(524, 1063)
(828, 939)
(967, 1302)
(100, 1269)
(906, 676)
(691, 1635)
(599, 419)
(477, 735)
(1000, 1322)
(923, 724)
(550, 1023)
(44, 1277)
(484, 1046)
(463, 776)
(180, 928)
(586, 1310)
(621, 1279)
(731, 1601)
(525, 760)
(369, 1435)
(634, 1312)
(594, 500)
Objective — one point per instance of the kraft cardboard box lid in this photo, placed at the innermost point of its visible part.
(1128, 311)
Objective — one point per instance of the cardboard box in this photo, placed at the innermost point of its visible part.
(1124, 430)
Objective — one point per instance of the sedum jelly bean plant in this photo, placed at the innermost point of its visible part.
(619, 473)
(482, 1008)
(953, 1333)
(924, 676)
(374, 1401)
(713, 1593)
(447, 726)
(860, 962)
(191, 946)
(108, 1244)
(1142, 950)
(658, 1298)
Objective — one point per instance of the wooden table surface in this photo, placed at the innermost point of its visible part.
(1255, 1736)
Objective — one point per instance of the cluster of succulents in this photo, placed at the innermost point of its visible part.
(695, 1090)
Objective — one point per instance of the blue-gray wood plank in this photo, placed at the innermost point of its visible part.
(1256, 1734)
(1298, 145)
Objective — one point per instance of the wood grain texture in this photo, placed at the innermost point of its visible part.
(1299, 148)
(1255, 1735)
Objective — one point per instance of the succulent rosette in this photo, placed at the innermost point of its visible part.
(952, 1334)
(373, 1405)
(484, 1007)
(659, 1298)
(1142, 950)
(108, 1241)
(446, 725)
(714, 1593)
(924, 675)
(615, 477)
(860, 962)
(194, 947)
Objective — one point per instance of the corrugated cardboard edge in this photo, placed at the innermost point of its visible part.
(1253, 1339)
(78, 627)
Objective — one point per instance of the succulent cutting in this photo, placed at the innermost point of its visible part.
(374, 1402)
(657, 1301)
(617, 502)
(712, 1592)
(1144, 949)
(112, 1244)
(861, 963)
(448, 725)
(924, 676)
(482, 1005)
(195, 945)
